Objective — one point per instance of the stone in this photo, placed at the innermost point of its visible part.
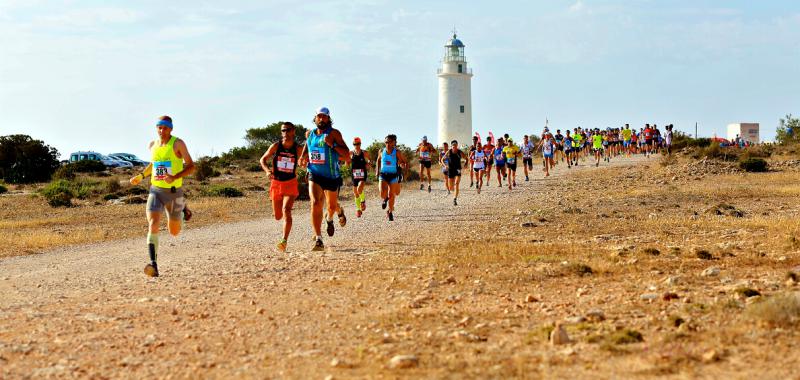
(711, 356)
(710, 272)
(575, 319)
(648, 296)
(403, 361)
(672, 280)
(559, 335)
(527, 224)
(595, 315)
(702, 254)
(669, 296)
(531, 298)
(339, 363)
(465, 321)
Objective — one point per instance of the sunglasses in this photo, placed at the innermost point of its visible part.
(286, 130)
(357, 144)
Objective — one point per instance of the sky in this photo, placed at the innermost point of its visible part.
(95, 75)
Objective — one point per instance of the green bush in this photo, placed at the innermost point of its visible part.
(254, 167)
(222, 191)
(112, 185)
(58, 193)
(64, 172)
(87, 166)
(110, 196)
(204, 168)
(714, 151)
(25, 160)
(3, 189)
(753, 165)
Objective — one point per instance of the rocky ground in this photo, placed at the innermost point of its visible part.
(617, 271)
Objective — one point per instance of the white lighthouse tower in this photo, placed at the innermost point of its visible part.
(455, 95)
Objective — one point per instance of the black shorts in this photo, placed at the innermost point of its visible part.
(358, 181)
(512, 166)
(478, 170)
(453, 173)
(328, 184)
(500, 166)
(528, 162)
(425, 164)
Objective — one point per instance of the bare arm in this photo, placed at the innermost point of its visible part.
(188, 165)
(340, 146)
(264, 161)
(146, 172)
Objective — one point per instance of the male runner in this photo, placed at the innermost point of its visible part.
(170, 162)
(568, 149)
(527, 155)
(648, 139)
(597, 145)
(424, 151)
(511, 151)
(488, 152)
(559, 142)
(324, 147)
(548, 151)
(577, 146)
(387, 168)
(359, 163)
(280, 162)
(443, 163)
(626, 140)
(453, 158)
(477, 161)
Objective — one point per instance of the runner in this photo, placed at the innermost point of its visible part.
(607, 145)
(597, 146)
(424, 152)
(359, 163)
(444, 163)
(388, 168)
(548, 150)
(559, 140)
(324, 147)
(477, 161)
(475, 143)
(280, 164)
(500, 161)
(453, 159)
(648, 138)
(668, 139)
(527, 155)
(170, 162)
(568, 149)
(511, 151)
(626, 140)
(488, 152)
(577, 146)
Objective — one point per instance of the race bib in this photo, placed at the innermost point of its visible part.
(548, 149)
(161, 169)
(498, 157)
(512, 160)
(358, 173)
(425, 156)
(317, 157)
(285, 164)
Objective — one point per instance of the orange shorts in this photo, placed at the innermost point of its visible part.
(280, 189)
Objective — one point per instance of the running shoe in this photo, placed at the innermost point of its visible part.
(363, 205)
(385, 202)
(318, 246)
(526, 179)
(421, 186)
(358, 213)
(187, 214)
(151, 269)
(471, 184)
(515, 183)
(455, 202)
(390, 215)
(479, 189)
(330, 229)
(429, 188)
(596, 164)
(342, 219)
(281, 245)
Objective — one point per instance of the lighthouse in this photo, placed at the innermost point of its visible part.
(455, 95)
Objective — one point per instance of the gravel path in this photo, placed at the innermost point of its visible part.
(90, 311)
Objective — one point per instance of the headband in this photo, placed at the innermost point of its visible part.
(165, 123)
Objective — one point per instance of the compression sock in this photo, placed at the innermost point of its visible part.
(152, 245)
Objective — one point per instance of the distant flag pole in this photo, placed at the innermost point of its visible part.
(479, 136)
(492, 136)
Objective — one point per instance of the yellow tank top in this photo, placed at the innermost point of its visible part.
(165, 162)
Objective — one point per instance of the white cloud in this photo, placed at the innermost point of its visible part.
(579, 6)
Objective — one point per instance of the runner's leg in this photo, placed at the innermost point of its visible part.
(288, 204)
(315, 192)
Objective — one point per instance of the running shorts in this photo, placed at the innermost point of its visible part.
(453, 173)
(358, 181)
(626, 143)
(425, 164)
(528, 162)
(280, 189)
(512, 166)
(500, 166)
(547, 155)
(392, 178)
(170, 199)
(328, 184)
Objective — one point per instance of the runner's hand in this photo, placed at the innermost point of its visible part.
(136, 180)
(169, 178)
(329, 140)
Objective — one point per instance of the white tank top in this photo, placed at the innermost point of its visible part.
(479, 160)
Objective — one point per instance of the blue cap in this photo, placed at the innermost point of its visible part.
(324, 111)
(425, 138)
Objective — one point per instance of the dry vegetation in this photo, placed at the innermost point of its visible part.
(647, 276)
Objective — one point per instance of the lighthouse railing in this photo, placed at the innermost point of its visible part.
(466, 71)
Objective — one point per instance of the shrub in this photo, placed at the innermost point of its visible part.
(222, 191)
(254, 168)
(205, 169)
(753, 165)
(780, 310)
(3, 189)
(25, 160)
(110, 196)
(87, 166)
(59, 193)
(64, 172)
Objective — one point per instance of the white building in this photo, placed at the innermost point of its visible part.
(455, 95)
(747, 131)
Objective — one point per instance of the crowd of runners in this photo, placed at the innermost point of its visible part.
(325, 152)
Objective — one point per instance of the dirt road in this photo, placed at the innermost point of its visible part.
(227, 305)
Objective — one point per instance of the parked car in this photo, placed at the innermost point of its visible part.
(136, 161)
(107, 161)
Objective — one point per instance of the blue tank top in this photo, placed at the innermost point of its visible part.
(323, 161)
(499, 157)
(388, 162)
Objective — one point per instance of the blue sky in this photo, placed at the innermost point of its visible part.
(97, 74)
